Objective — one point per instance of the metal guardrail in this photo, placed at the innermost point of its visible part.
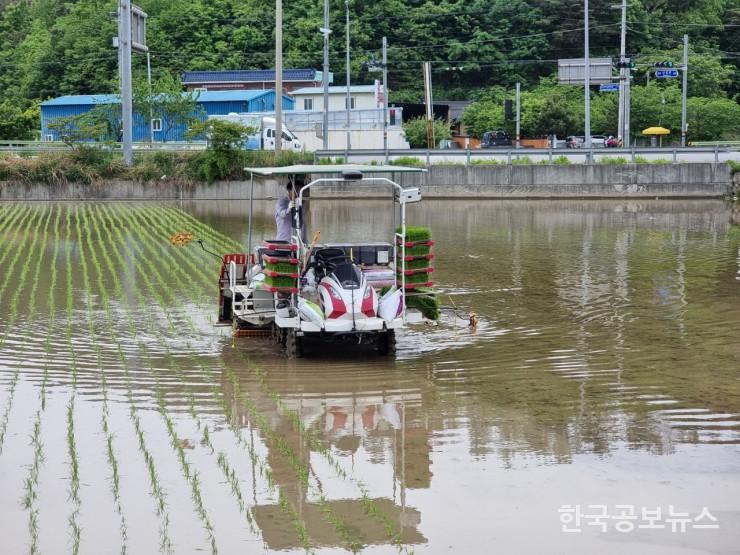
(59, 146)
(731, 144)
(467, 156)
(537, 155)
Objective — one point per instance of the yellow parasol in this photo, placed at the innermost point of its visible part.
(656, 131)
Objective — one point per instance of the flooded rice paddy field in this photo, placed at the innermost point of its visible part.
(603, 378)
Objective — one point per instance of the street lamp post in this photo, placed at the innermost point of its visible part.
(349, 142)
(278, 75)
(587, 76)
(325, 77)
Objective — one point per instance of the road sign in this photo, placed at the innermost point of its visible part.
(666, 73)
(572, 71)
(609, 87)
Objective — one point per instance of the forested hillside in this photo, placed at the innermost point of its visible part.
(54, 47)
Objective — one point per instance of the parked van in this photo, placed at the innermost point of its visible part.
(265, 137)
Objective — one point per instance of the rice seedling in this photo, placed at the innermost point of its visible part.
(13, 218)
(156, 490)
(420, 277)
(418, 250)
(110, 451)
(74, 478)
(31, 482)
(300, 526)
(173, 213)
(13, 316)
(415, 264)
(190, 475)
(9, 269)
(178, 447)
(51, 308)
(13, 225)
(416, 233)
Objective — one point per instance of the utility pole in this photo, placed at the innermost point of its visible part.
(278, 75)
(429, 103)
(518, 105)
(587, 77)
(624, 76)
(385, 95)
(325, 30)
(349, 104)
(124, 48)
(684, 125)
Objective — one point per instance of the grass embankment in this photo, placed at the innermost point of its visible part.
(89, 165)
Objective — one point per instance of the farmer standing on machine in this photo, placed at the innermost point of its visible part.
(284, 213)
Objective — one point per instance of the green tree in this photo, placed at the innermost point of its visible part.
(554, 118)
(416, 131)
(711, 119)
(655, 105)
(222, 135)
(17, 124)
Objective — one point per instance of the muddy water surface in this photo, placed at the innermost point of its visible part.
(602, 379)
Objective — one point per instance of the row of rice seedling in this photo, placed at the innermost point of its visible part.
(32, 480)
(151, 222)
(31, 484)
(223, 463)
(34, 225)
(74, 478)
(156, 490)
(31, 227)
(195, 259)
(12, 219)
(300, 526)
(74, 463)
(176, 444)
(190, 476)
(313, 441)
(12, 223)
(208, 232)
(105, 414)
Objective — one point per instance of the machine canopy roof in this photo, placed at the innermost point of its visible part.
(329, 169)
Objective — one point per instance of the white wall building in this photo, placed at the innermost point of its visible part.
(366, 127)
(362, 97)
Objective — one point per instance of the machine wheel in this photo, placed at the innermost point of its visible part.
(387, 343)
(293, 344)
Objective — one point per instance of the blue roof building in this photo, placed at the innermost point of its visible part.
(209, 103)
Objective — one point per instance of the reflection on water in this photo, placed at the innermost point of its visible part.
(604, 370)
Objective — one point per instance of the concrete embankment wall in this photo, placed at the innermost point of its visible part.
(515, 181)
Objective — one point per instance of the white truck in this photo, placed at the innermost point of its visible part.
(265, 137)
